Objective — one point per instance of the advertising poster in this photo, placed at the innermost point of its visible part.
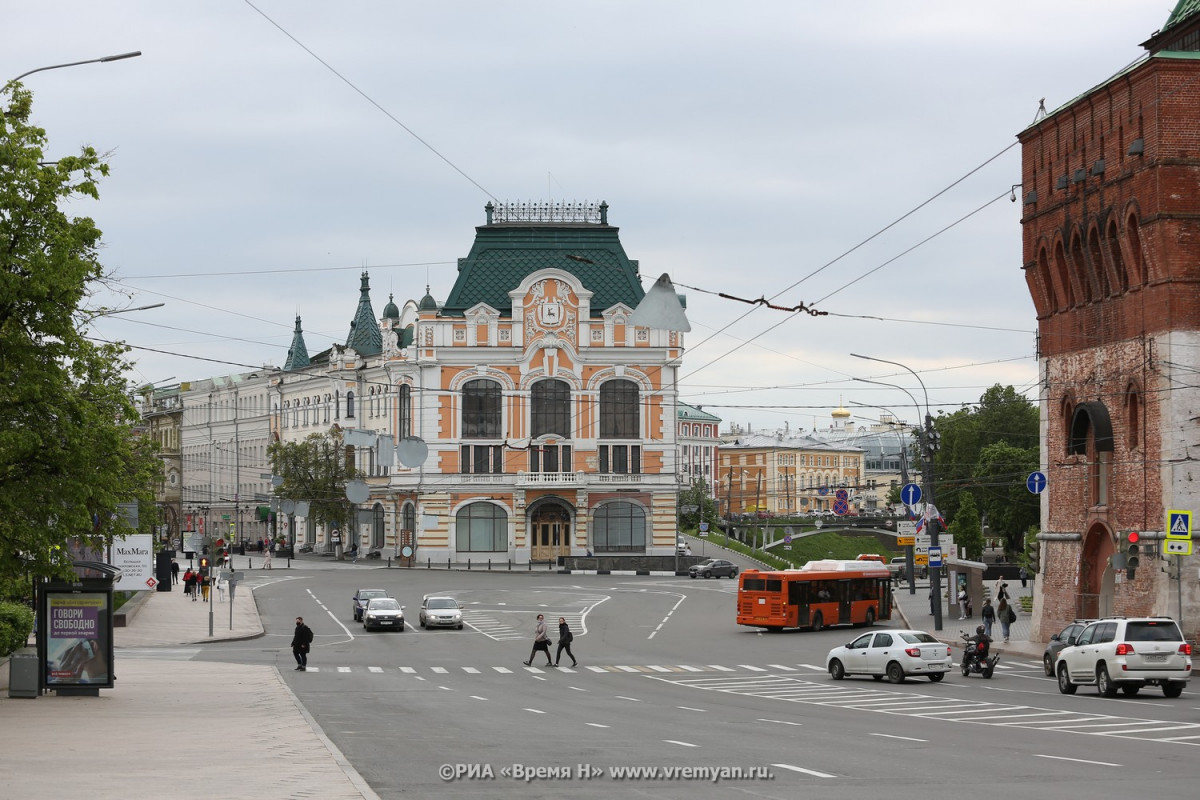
(77, 646)
(134, 556)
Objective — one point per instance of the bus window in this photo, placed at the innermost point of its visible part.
(774, 585)
(753, 584)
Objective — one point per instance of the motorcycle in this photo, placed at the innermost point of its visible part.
(974, 660)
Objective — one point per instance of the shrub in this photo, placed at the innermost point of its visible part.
(16, 623)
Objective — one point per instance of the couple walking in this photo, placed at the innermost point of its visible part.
(541, 641)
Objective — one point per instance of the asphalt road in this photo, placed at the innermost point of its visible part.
(668, 680)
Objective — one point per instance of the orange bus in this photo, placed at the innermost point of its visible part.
(818, 594)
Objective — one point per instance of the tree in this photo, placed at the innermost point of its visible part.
(317, 470)
(68, 450)
(1010, 507)
(978, 455)
(706, 508)
(966, 529)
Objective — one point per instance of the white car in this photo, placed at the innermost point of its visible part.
(896, 654)
(440, 611)
(1119, 654)
(383, 612)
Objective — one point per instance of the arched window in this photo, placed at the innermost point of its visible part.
(619, 527)
(410, 518)
(337, 405)
(619, 410)
(326, 404)
(481, 415)
(1063, 275)
(377, 527)
(1133, 234)
(551, 409)
(405, 427)
(287, 408)
(481, 527)
(1096, 256)
(349, 405)
(305, 415)
(1133, 416)
(1118, 259)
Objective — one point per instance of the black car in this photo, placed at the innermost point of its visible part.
(713, 568)
(1064, 638)
(360, 600)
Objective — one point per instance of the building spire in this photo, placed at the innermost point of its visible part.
(365, 338)
(297, 356)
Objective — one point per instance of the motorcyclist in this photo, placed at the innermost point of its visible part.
(973, 650)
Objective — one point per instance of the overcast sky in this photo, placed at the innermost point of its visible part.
(264, 154)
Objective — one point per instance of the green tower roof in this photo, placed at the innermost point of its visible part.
(365, 337)
(297, 356)
(520, 239)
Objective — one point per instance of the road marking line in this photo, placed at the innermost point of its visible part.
(596, 725)
(1078, 760)
(905, 738)
(408, 670)
(477, 697)
(374, 669)
(681, 744)
(782, 667)
(812, 772)
(628, 669)
(630, 699)
(471, 670)
(343, 669)
(719, 668)
(658, 668)
(752, 669)
(440, 670)
(688, 668)
(534, 711)
(503, 670)
(689, 708)
(597, 669)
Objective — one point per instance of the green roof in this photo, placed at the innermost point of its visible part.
(1183, 10)
(506, 252)
(684, 411)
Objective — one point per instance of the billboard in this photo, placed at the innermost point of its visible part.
(134, 556)
(78, 639)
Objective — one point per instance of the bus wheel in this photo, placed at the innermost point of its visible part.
(870, 617)
(818, 621)
(836, 670)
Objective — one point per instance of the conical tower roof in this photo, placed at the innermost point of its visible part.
(297, 356)
(365, 338)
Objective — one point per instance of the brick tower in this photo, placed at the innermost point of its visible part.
(1111, 249)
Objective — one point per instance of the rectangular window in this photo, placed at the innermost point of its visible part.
(481, 459)
(621, 459)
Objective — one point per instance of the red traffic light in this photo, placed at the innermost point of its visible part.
(1134, 536)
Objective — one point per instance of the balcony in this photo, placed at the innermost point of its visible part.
(550, 479)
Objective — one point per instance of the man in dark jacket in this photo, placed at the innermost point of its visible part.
(301, 642)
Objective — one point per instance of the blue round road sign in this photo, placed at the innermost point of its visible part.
(911, 494)
(1036, 482)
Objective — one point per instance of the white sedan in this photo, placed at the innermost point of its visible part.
(896, 654)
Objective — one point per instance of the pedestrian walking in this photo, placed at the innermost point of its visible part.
(541, 641)
(189, 585)
(1002, 594)
(1024, 577)
(174, 571)
(205, 586)
(565, 637)
(1006, 616)
(301, 644)
(267, 558)
(962, 602)
(221, 588)
(989, 616)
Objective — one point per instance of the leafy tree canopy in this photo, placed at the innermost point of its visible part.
(316, 469)
(68, 450)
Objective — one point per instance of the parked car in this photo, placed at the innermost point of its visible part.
(897, 566)
(361, 596)
(682, 547)
(440, 611)
(1064, 638)
(895, 654)
(1119, 654)
(383, 612)
(713, 568)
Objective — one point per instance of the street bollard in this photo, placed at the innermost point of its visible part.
(489, 565)
(468, 565)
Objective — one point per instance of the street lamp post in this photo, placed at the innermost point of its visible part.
(929, 446)
(102, 60)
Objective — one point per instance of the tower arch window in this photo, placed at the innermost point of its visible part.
(1133, 416)
(481, 415)
(550, 402)
(1133, 234)
(1113, 240)
(349, 405)
(1096, 256)
(405, 409)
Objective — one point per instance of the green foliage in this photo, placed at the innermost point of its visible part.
(706, 508)
(68, 454)
(805, 548)
(987, 452)
(16, 623)
(317, 470)
(967, 529)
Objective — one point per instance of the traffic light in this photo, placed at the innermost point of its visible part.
(204, 564)
(1132, 550)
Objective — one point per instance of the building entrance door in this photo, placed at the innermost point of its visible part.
(550, 526)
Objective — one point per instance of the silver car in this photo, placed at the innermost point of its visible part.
(383, 612)
(894, 654)
(440, 611)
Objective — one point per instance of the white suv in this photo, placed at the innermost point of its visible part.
(1126, 654)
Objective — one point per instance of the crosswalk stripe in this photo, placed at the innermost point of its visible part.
(375, 669)
(343, 669)
(719, 668)
(471, 670)
(503, 670)
(782, 667)
(407, 670)
(440, 670)
(657, 668)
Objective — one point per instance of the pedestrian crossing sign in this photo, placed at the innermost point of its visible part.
(1179, 525)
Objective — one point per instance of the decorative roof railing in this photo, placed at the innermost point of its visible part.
(586, 212)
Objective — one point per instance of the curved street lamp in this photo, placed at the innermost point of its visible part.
(102, 60)
(929, 446)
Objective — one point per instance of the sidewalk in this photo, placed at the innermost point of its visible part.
(914, 611)
(171, 729)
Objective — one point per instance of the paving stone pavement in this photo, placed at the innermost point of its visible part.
(174, 729)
